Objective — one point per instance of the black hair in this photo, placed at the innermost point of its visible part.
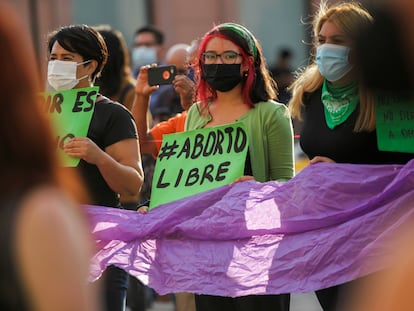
(83, 40)
(117, 65)
(263, 82)
(158, 34)
(258, 85)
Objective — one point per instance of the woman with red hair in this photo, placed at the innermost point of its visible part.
(234, 85)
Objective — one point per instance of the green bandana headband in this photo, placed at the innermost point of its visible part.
(244, 33)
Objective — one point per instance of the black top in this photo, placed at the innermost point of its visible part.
(341, 144)
(111, 122)
(12, 296)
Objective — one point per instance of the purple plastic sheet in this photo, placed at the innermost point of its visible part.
(330, 224)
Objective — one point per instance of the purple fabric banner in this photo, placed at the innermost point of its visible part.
(330, 224)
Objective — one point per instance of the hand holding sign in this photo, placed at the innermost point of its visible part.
(83, 148)
(70, 113)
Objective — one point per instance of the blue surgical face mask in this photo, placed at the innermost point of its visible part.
(143, 55)
(332, 61)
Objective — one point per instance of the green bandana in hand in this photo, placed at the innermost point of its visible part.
(339, 102)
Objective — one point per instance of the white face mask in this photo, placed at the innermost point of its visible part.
(332, 61)
(143, 55)
(61, 75)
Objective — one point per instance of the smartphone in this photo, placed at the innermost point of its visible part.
(161, 75)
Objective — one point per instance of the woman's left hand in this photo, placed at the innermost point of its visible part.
(242, 178)
(84, 148)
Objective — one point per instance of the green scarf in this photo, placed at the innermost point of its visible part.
(339, 102)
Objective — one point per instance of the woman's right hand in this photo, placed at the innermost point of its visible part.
(143, 209)
(142, 87)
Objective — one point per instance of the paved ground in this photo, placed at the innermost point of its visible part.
(304, 302)
(299, 302)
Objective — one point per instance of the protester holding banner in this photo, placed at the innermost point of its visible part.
(338, 112)
(46, 246)
(234, 85)
(110, 160)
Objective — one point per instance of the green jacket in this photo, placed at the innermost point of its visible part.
(270, 134)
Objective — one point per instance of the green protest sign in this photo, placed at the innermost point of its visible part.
(195, 161)
(395, 124)
(70, 113)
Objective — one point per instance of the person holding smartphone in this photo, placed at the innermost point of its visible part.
(175, 86)
(150, 138)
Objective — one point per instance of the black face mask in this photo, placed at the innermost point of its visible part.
(222, 77)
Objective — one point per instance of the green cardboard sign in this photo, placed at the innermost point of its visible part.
(199, 160)
(395, 124)
(70, 113)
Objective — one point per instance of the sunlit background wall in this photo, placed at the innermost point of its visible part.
(276, 23)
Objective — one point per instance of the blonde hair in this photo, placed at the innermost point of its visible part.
(350, 18)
